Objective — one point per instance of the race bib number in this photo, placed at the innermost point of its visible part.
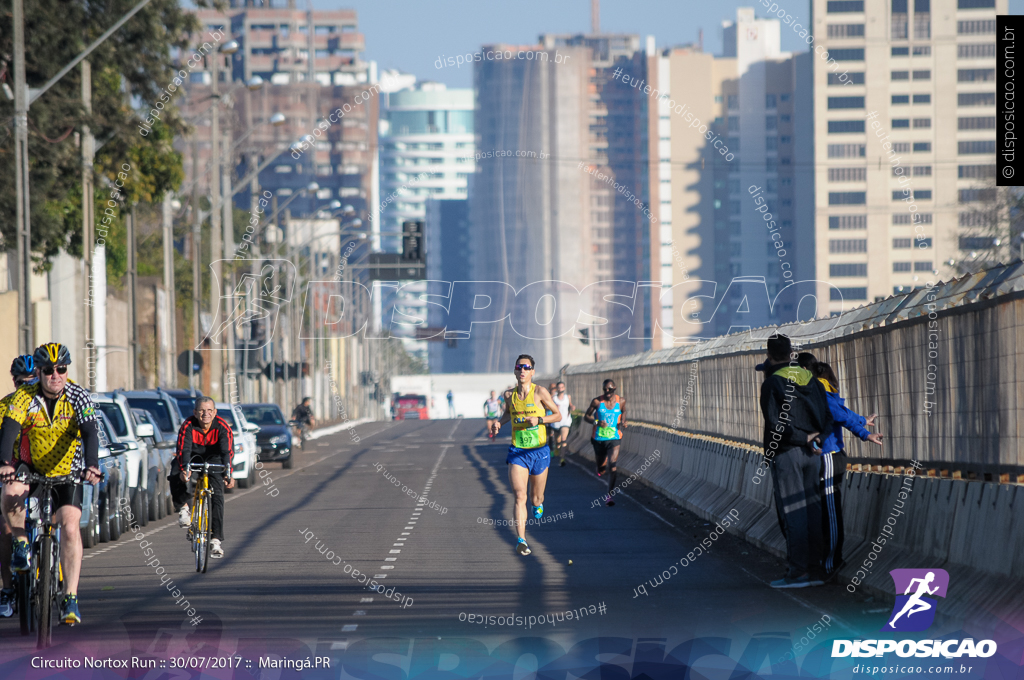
(527, 439)
(607, 432)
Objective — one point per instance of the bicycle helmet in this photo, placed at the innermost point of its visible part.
(50, 354)
(23, 365)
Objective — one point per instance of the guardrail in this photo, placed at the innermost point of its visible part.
(942, 366)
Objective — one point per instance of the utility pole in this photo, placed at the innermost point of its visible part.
(168, 242)
(228, 242)
(197, 287)
(88, 218)
(215, 218)
(22, 216)
(133, 328)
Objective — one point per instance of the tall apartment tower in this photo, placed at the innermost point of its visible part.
(556, 130)
(426, 153)
(729, 133)
(905, 127)
(426, 136)
(311, 66)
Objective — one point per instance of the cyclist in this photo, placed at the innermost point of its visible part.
(208, 437)
(561, 428)
(303, 415)
(59, 436)
(22, 372)
(492, 411)
(529, 456)
(608, 415)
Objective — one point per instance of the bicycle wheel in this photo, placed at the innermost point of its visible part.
(198, 508)
(206, 530)
(44, 593)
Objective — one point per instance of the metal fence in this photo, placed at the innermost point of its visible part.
(943, 367)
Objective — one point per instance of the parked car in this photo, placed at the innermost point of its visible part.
(186, 400)
(160, 504)
(113, 490)
(96, 497)
(163, 406)
(244, 460)
(143, 467)
(274, 438)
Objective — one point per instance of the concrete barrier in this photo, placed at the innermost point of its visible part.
(970, 529)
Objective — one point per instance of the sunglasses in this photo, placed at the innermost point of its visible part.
(50, 369)
(609, 389)
(524, 367)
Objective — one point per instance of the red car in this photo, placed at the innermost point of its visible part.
(410, 407)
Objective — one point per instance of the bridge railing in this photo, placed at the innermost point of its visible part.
(942, 366)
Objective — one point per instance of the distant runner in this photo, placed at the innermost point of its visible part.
(608, 415)
(561, 428)
(529, 456)
(492, 411)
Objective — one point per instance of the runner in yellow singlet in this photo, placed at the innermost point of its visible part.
(529, 456)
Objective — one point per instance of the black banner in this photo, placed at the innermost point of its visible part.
(1009, 155)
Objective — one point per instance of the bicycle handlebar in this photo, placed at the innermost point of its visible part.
(207, 466)
(36, 478)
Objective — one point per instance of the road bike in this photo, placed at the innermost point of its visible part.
(38, 590)
(202, 499)
(300, 431)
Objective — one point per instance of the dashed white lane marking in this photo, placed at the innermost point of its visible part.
(365, 599)
(349, 627)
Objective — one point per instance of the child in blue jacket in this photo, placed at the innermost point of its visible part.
(833, 464)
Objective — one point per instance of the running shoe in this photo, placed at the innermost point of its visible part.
(522, 548)
(184, 518)
(21, 556)
(216, 551)
(69, 611)
(7, 603)
(608, 501)
(538, 511)
(600, 470)
(798, 582)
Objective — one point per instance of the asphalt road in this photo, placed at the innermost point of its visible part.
(279, 589)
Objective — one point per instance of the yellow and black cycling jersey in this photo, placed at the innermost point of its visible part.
(51, 444)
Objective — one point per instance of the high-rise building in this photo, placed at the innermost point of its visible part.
(426, 153)
(905, 131)
(734, 180)
(449, 237)
(426, 137)
(557, 133)
(311, 66)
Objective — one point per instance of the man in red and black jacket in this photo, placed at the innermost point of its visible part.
(207, 437)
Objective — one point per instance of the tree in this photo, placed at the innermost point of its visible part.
(133, 67)
(990, 223)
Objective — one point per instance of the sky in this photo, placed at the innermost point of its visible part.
(410, 35)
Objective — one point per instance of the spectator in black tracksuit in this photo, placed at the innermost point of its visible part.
(796, 420)
(207, 437)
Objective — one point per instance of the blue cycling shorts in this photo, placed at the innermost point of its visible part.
(535, 460)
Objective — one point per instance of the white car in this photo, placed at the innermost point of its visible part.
(144, 467)
(246, 449)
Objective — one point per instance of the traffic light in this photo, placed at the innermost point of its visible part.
(585, 336)
(412, 241)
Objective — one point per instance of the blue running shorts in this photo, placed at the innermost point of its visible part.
(535, 460)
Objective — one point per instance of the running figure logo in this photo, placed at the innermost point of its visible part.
(914, 611)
